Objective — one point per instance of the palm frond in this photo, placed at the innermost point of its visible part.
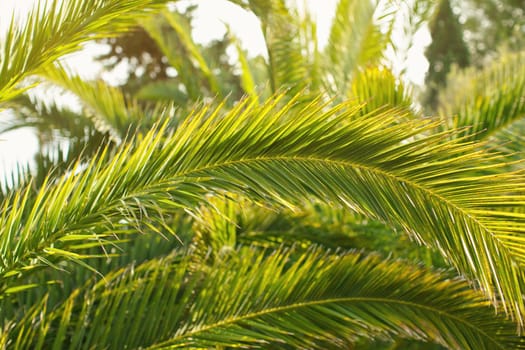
(171, 32)
(222, 224)
(248, 82)
(56, 285)
(175, 20)
(278, 153)
(487, 102)
(65, 138)
(56, 28)
(326, 226)
(110, 111)
(215, 231)
(309, 43)
(48, 118)
(51, 162)
(378, 87)
(268, 299)
(287, 61)
(356, 39)
(163, 90)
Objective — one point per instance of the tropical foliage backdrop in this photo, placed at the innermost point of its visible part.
(306, 199)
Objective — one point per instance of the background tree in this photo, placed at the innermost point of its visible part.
(490, 26)
(446, 49)
(147, 63)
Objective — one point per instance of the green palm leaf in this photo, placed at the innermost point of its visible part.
(110, 111)
(223, 224)
(278, 153)
(288, 65)
(489, 102)
(54, 125)
(56, 28)
(172, 33)
(247, 77)
(356, 39)
(378, 87)
(268, 300)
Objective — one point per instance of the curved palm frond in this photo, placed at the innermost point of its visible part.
(56, 28)
(267, 299)
(278, 153)
(112, 112)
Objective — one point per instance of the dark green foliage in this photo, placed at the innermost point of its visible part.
(137, 49)
(491, 26)
(447, 48)
(268, 300)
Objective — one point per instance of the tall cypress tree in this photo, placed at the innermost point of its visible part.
(447, 48)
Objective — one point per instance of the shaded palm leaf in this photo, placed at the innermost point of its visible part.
(322, 300)
(224, 223)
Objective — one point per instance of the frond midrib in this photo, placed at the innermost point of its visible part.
(351, 164)
(344, 163)
(306, 159)
(305, 304)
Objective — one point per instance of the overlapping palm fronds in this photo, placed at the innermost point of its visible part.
(172, 34)
(64, 137)
(274, 299)
(107, 117)
(357, 38)
(221, 224)
(287, 61)
(295, 61)
(280, 155)
(293, 150)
